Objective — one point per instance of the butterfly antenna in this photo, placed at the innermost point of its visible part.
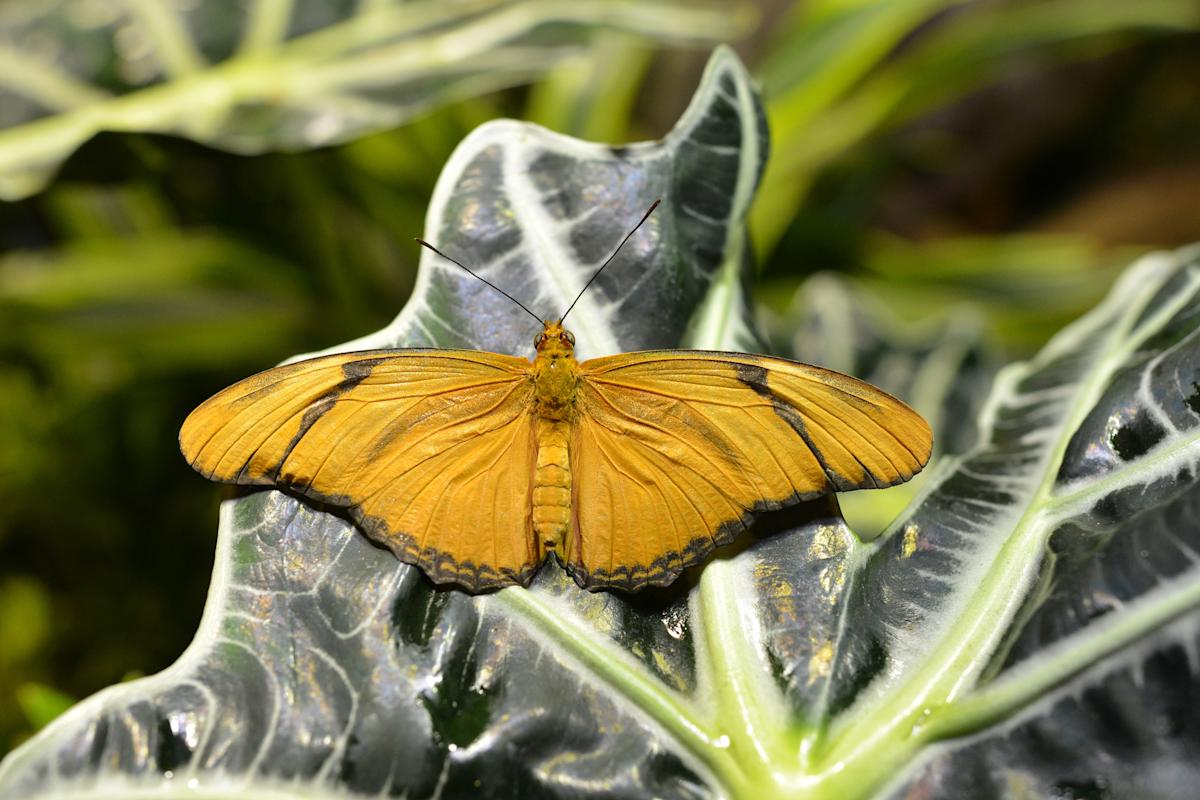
(424, 243)
(645, 217)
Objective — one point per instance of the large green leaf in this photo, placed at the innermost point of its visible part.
(282, 74)
(1092, 467)
(322, 658)
(1027, 626)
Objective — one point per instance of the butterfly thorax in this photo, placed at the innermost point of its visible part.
(555, 373)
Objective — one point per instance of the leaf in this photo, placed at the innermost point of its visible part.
(281, 74)
(942, 365)
(1028, 285)
(321, 658)
(41, 703)
(1048, 570)
(842, 72)
(592, 95)
(158, 302)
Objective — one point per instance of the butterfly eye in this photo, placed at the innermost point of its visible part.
(570, 338)
(539, 339)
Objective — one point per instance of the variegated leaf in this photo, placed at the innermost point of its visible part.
(282, 74)
(1039, 593)
(324, 664)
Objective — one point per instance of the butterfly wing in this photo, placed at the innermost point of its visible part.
(430, 450)
(675, 450)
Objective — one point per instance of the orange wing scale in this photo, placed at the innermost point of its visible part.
(430, 450)
(675, 451)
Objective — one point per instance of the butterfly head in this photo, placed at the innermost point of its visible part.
(554, 341)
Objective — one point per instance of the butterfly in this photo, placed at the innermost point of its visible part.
(628, 468)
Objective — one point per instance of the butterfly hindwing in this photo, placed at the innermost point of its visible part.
(674, 451)
(430, 450)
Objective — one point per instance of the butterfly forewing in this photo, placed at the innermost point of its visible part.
(431, 451)
(675, 450)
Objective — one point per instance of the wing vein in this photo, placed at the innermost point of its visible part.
(451, 422)
(650, 424)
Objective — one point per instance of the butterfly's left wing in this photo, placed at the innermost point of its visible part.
(675, 450)
(430, 450)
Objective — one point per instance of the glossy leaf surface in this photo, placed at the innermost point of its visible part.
(321, 658)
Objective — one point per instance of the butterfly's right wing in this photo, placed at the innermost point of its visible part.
(675, 451)
(430, 450)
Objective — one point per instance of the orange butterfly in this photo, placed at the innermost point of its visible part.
(475, 466)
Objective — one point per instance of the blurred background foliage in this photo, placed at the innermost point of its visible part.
(195, 190)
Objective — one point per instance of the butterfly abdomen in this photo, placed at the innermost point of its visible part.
(552, 485)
